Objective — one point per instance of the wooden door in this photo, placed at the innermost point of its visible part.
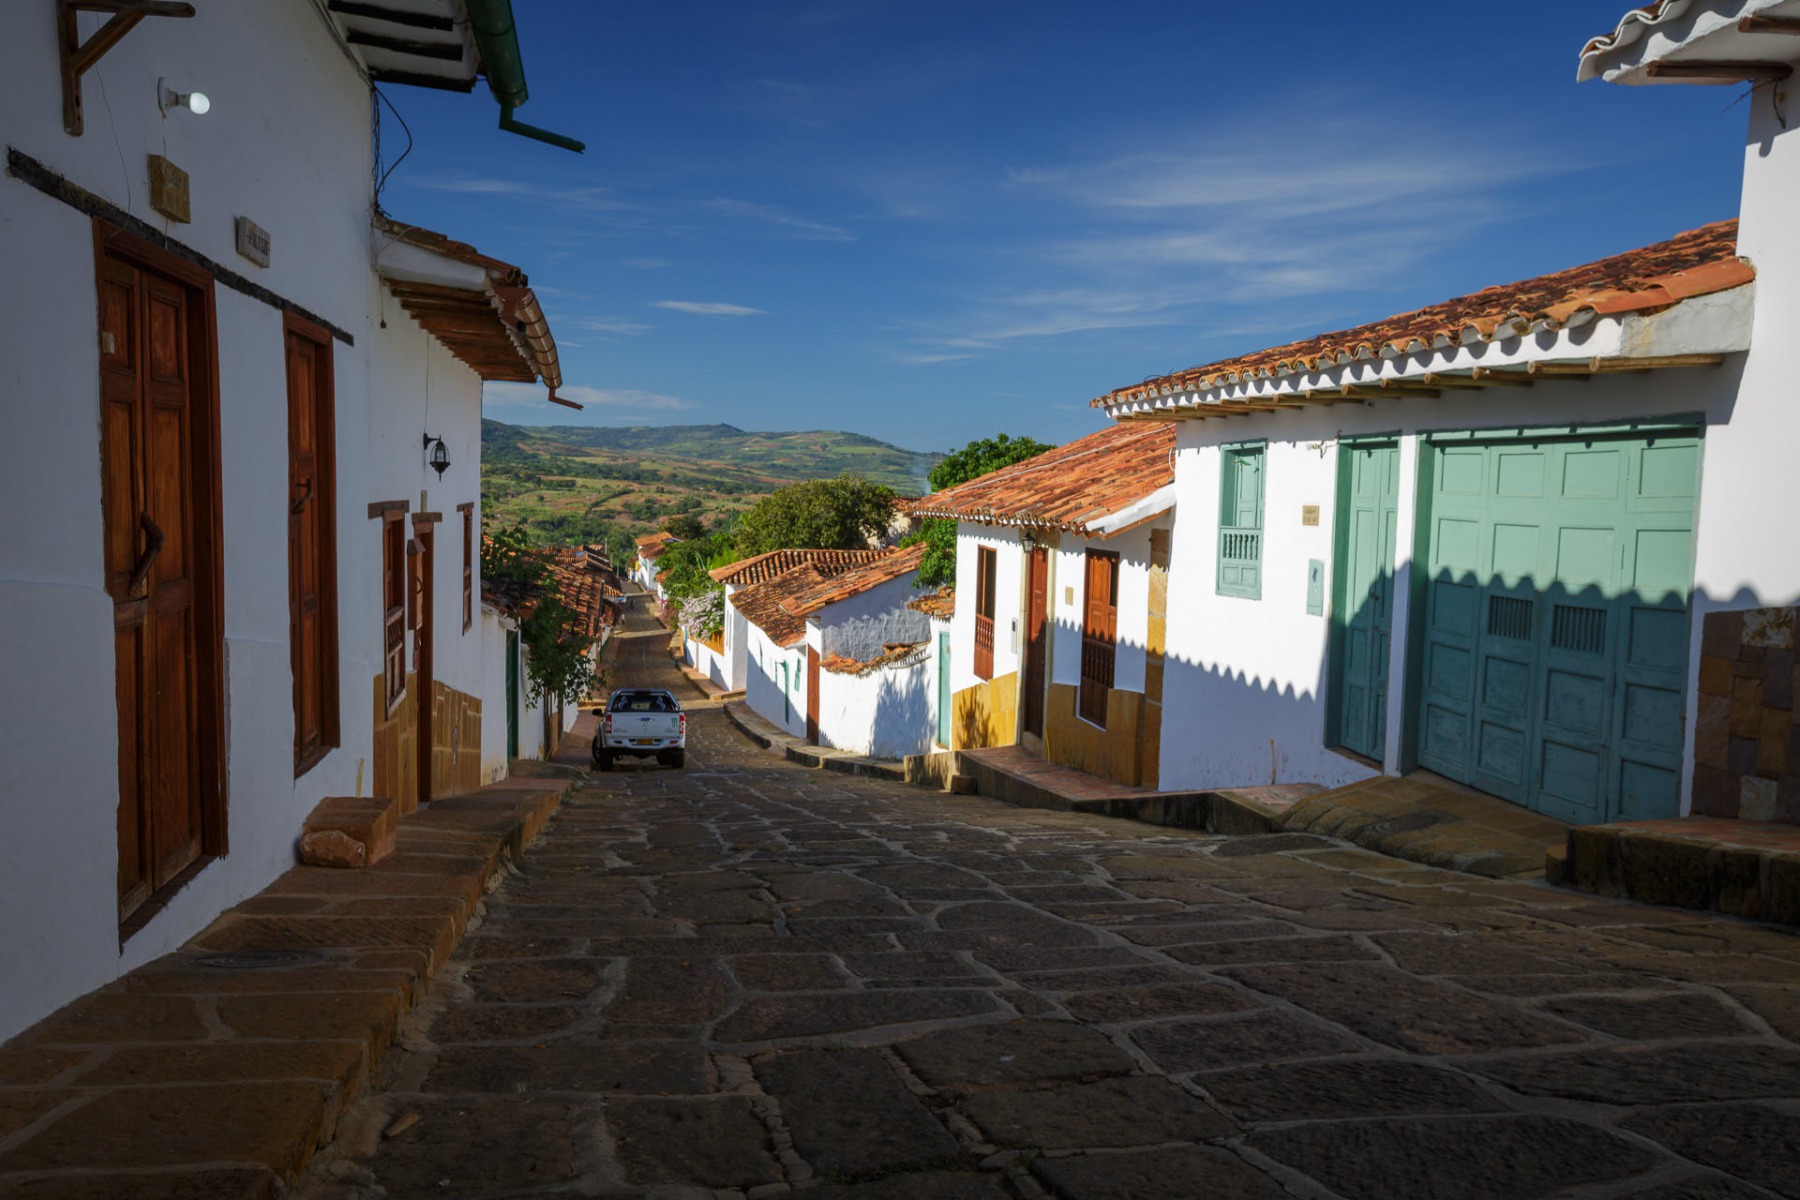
(1363, 614)
(312, 544)
(423, 677)
(812, 695)
(158, 496)
(1037, 641)
(512, 694)
(1099, 634)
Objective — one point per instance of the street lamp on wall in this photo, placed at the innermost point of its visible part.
(439, 458)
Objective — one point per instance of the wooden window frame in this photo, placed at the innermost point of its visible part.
(1240, 546)
(987, 574)
(1099, 634)
(394, 576)
(468, 569)
(323, 499)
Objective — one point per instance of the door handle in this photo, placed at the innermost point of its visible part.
(153, 544)
(299, 504)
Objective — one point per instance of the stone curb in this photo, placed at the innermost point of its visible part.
(770, 736)
(1659, 866)
(247, 1045)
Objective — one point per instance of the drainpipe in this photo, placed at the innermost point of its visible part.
(498, 41)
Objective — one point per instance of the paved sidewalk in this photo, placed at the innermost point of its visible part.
(749, 979)
(214, 1073)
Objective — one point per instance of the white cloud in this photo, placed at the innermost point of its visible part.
(925, 360)
(707, 308)
(797, 226)
(609, 325)
(531, 396)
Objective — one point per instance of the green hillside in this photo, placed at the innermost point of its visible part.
(573, 484)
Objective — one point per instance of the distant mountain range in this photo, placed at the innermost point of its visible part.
(572, 484)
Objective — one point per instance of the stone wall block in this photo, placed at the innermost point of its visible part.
(1756, 799)
(1668, 871)
(1746, 708)
(1743, 756)
(1721, 633)
(1715, 676)
(1712, 732)
(1770, 628)
(1715, 792)
(1772, 750)
(1778, 680)
(1594, 858)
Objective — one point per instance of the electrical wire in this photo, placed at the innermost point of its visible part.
(404, 128)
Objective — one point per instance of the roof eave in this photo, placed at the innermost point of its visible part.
(1686, 35)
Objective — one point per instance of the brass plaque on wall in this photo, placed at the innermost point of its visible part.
(1309, 514)
(169, 189)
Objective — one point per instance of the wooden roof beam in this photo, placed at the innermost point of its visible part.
(1787, 25)
(1719, 72)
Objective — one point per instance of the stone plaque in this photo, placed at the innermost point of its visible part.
(1309, 514)
(253, 241)
(169, 189)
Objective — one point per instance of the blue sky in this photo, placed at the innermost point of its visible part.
(930, 222)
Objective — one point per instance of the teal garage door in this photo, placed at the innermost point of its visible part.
(1555, 641)
(1368, 507)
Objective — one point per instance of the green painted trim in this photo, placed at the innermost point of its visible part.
(1686, 424)
(1228, 455)
(497, 41)
(1334, 615)
(1416, 585)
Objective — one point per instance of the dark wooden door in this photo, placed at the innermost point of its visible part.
(159, 535)
(1099, 634)
(1037, 646)
(312, 573)
(422, 666)
(812, 695)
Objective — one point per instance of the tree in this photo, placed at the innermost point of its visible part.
(699, 601)
(846, 513)
(980, 457)
(686, 526)
(557, 656)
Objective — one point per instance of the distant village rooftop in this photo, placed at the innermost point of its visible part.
(651, 546)
(1097, 485)
(775, 562)
(779, 606)
(1673, 304)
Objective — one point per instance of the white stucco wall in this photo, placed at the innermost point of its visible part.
(704, 659)
(777, 695)
(737, 644)
(888, 713)
(287, 144)
(1242, 673)
(1007, 602)
(860, 626)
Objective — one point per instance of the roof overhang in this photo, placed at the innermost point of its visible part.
(480, 308)
(1698, 332)
(422, 43)
(1698, 42)
(1132, 516)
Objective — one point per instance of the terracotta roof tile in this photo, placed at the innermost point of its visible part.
(1070, 486)
(939, 606)
(780, 605)
(897, 654)
(767, 566)
(651, 546)
(1695, 263)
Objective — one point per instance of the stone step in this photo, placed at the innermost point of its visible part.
(1719, 864)
(349, 831)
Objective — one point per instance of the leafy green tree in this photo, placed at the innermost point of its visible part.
(980, 457)
(699, 601)
(845, 513)
(557, 658)
(686, 526)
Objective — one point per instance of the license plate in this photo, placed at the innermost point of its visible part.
(645, 741)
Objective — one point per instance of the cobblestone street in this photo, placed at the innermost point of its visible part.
(746, 978)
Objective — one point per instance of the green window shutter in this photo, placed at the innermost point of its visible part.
(1241, 521)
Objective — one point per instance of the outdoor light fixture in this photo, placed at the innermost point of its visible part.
(439, 459)
(167, 98)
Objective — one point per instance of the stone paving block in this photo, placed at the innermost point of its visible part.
(1137, 1110)
(349, 831)
(1440, 954)
(1345, 1088)
(20, 1109)
(220, 1183)
(23, 1066)
(1102, 978)
(118, 1016)
(1014, 1052)
(368, 1017)
(1158, 934)
(1754, 1142)
(1272, 950)
(1183, 1046)
(1456, 1158)
(574, 1065)
(501, 1022)
(540, 978)
(1779, 1006)
(1171, 1173)
(787, 972)
(715, 1142)
(1411, 1014)
(671, 991)
(341, 1064)
(1654, 1018)
(1032, 958)
(765, 1018)
(180, 1125)
(1125, 1005)
(473, 1146)
(1654, 1074)
(935, 1185)
(850, 1116)
(1701, 1187)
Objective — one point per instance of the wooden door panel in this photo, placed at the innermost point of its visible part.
(134, 867)
(1036, 639)
(174, 809)
(812, 695)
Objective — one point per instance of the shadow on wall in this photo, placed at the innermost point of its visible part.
(903, 721)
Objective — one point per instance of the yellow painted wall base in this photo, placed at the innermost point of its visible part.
(986, 714)
(455, 743)
(1114, 753)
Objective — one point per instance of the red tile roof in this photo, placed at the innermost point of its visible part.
(1695, 263)
(780, 605)
(1629, 28)
(767, 566)
(939, 606)
(651, 546)
(1070, 486)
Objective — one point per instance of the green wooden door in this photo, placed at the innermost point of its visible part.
(943, 689)
(1364, 604)
(1555, 641)
(512, 694)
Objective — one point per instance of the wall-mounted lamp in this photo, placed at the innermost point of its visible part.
(439, 458)
(167, 98)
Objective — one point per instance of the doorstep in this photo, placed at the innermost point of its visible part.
(1746, 868)
(218, 1070)
(771, 736)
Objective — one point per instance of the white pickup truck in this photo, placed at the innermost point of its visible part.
(641, 722)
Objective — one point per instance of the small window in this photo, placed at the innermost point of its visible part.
(468, 578)
(987, 570)
(393, 617)
(1241, 521)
